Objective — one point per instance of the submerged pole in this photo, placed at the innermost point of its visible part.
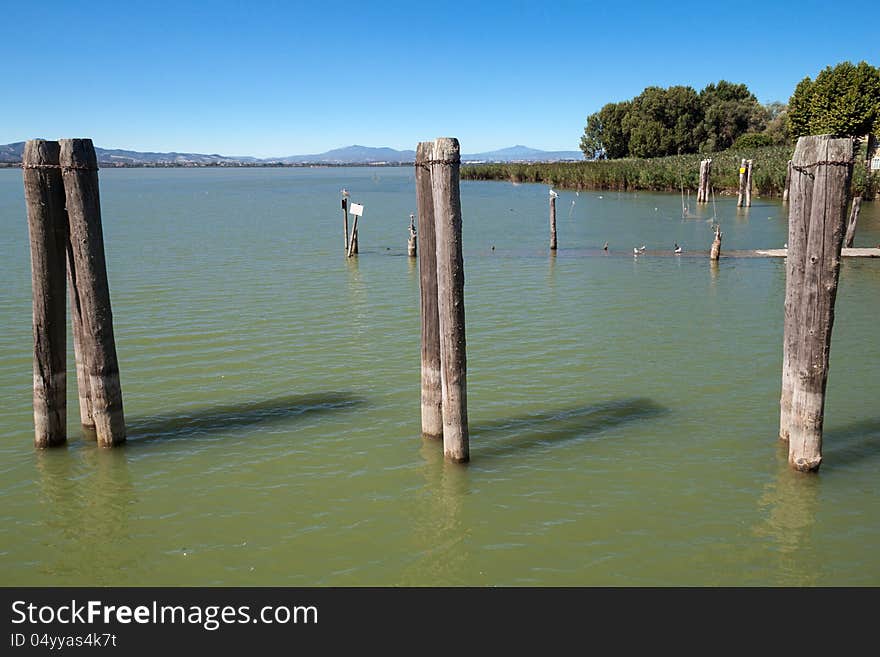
(821, 173)
(432, 391)
(47, 230)
(445, 165)
(91, 290)
(715, 251)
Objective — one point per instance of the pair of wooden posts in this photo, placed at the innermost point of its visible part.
(351, 245)
(705, 180)
(821, 171)
(64, 224)
(744, 196)
(441, 282)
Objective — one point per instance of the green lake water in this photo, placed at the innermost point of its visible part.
(623, 410)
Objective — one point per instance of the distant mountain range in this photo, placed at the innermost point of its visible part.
(11, 154)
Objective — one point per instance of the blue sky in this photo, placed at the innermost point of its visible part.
(282, 78)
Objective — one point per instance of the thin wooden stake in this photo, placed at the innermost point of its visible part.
(821, 173)
(552, 220)
(79, 168)
(853, 220)
(740, 197)
(345, 219)
(432, 391)
(47, 229)
(450, 294)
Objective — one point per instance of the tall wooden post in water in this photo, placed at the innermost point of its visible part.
(749, 183)
(853, 220)
(47, 228)
(787, 184)
(345, 217)
(445, 165)
(553, 196)
(821, 173)
(432, 393)
(740, 197)
(91, 291)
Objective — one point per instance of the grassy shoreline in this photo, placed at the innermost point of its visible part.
(663, 174)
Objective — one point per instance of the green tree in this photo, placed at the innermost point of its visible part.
(729, 110)
(663, 121)
(843, 100)
(604, 134)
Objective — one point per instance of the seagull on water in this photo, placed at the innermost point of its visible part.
(642, 248)
(635, 252)
(676, 248)
(605, 248)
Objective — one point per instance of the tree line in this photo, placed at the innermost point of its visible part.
(843, 100)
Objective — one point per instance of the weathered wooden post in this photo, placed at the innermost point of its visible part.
(91, 292)
(748, 183)
(700, 182)
(411, 242)
(705, 176)
(432, 392)
(715, 251)
(345, 196)
(821, 173)
(853, 220)
(47, 229)
(83, 387)
(787, 183)
(445, 165)
(553, 196)
(357, 210)
(740, 197)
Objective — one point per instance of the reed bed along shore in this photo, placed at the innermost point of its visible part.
(664, 174)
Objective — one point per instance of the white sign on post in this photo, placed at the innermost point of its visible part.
(357, 209)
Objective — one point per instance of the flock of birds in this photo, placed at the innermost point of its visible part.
(637, 250)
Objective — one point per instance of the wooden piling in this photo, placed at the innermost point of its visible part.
(821, 173)
(787, 185)
(705, 177)
(79, 167)
(853, 220)
(552, 220)
(700, 181)
(432, 392)
(83, 387)
(411, 247)
(445, 165)
(740, 197)
(47, 229)
(748, 183)
(345, 218)
(715, 251)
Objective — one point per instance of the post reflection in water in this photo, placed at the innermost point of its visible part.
(789, 504)
(86, 497)
(440, 533)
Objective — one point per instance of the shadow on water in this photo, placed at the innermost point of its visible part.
(277, 410)
(555, 427)
(852, 443)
